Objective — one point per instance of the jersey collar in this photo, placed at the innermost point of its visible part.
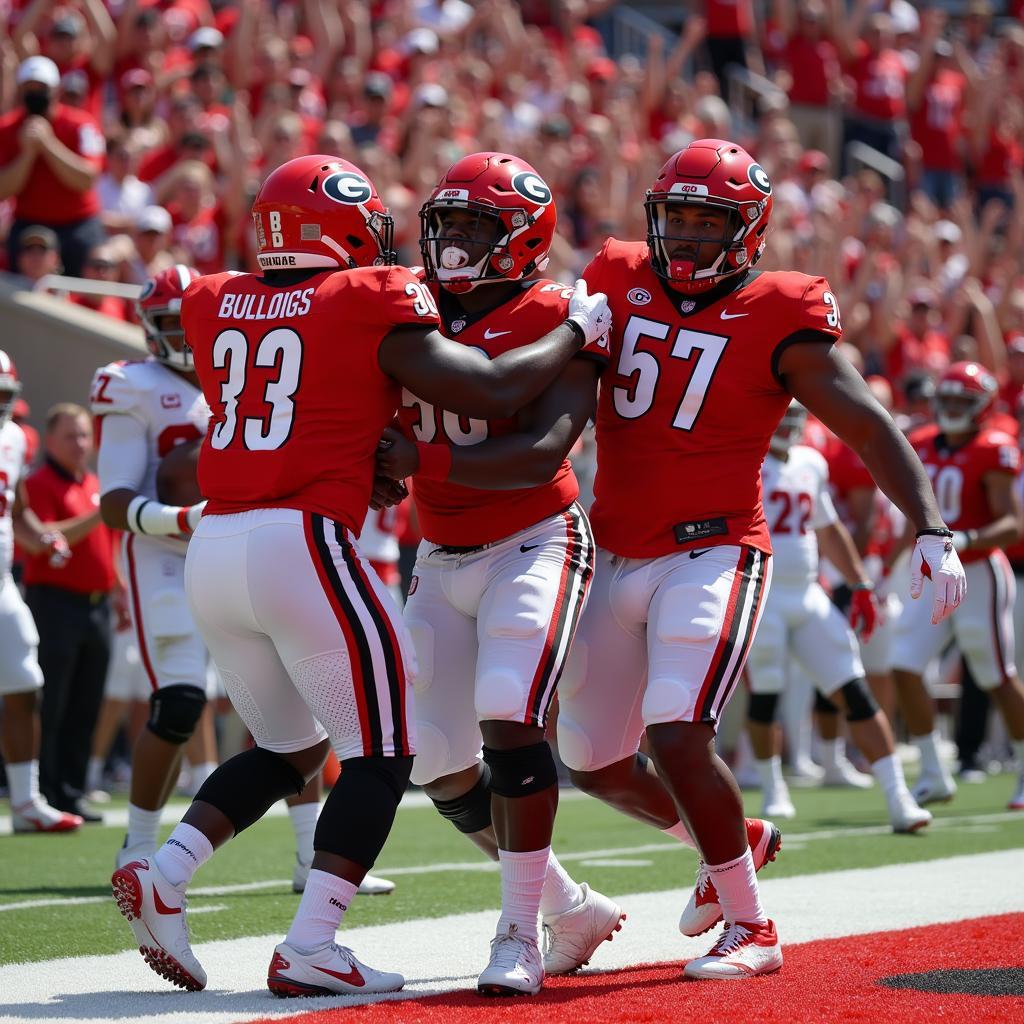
(455, 319)
(689, 305)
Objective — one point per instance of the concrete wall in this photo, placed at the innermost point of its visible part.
(57, 346)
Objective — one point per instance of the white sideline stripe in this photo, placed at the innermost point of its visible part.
(118, 817)
(443, 954)
(964, 821)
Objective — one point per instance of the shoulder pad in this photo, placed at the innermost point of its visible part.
(116, 387)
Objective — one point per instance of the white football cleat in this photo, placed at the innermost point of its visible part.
(126, 854)
(703, 911)
(906, 815)
(327, 971)
(1017, 800)
(371, 885)
(843, 773)
(156, 911)
(571, 937)
(742, 950)
(934, 789)
(38, 816)
(777, 803)
(804, 772)
(516, 967)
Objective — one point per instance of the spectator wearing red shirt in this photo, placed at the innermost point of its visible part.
(876, 114)
(919, 343)
(70, 606)
(102, 264)
(812, 64)
(936, 97)
(730, 24)
(50, 159)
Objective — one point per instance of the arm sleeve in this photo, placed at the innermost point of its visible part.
(123, 454)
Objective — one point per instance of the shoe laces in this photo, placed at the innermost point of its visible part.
(734, 936)
(508, 948)
(703, 879)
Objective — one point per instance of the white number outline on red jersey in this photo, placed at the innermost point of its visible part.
(832, 316)
(451, 423)
(632, 362)
(423, 301)
(231, 352)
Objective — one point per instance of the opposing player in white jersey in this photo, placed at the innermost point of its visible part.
(20, 676)
(800, 621)
(144, 409)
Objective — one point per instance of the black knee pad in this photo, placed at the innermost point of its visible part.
(247, 785)
(174, 712)
(360, 810)
(860, 701)
(470, 812)
(521, 771)
(822, 705)
(761, 707)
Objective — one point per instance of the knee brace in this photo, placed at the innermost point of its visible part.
(470, 812)
(174, 712)
(360, 810)
(822, 705)
(247, 785)
(521, 771)
(761, 707)
(860, 702)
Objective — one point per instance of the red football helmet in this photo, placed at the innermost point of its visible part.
(515, 222)
(321, 211)
(963, 396)
(160, 299)
(709, 172)
(10, 387)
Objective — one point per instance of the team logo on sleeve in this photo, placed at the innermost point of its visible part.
(638, 296)
(347, 187)
(759, 179)
(531, 186)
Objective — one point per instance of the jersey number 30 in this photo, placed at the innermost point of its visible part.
(280, 348)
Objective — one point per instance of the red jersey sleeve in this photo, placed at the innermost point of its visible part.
(819, 309)
(401, 299)
(1001, 454)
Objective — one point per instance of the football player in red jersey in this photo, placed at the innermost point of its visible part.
(705, 356)
(303, 368)
(504, 568)
(972, 468)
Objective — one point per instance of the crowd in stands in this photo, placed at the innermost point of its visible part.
(176, 109)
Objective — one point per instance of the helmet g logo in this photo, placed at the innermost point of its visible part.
(531, 186)
(759, 179)
(147, 289)
(347, 187)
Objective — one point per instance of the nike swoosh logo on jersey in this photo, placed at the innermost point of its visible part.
(352, 977)
(697, 554)
(161, 907)
(527, 547)
(489, 334)
(732, 316)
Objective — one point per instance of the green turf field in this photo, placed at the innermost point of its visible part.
(835, 829)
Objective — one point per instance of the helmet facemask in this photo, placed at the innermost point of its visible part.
(159, 336)
(9, 391)
(958, 413)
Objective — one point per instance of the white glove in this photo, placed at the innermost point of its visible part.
(935, 557)
(590, 313)
(194, 514)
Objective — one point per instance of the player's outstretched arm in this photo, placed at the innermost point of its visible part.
(548, 430)
(463, 380)
(822, 380)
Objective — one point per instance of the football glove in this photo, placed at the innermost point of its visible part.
(865, 615)
(935, 557)
(590, 313)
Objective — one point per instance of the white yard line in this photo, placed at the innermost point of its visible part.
(443, 954)
(968, 822)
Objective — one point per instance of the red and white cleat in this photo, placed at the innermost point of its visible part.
(1017, 800)
(570, 938)
(39, 816)
(329, 971)
(742, 951)
(703, 911)
(156, 911)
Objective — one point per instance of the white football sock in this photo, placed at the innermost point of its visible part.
(143, 827)
(321, 909)
(829, 750)
(304, 822)
(929, 748)
(199, 773)
(889, 773)
(23, 783)
(770, 771)
(560, 893)
(1018, 750)
(682, 833)
(185, 852)
(736, 884)
(522, 880)
(94, 774)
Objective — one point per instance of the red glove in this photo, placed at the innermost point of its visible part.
(865, 615)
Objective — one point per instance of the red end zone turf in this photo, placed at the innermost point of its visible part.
(832, 981)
